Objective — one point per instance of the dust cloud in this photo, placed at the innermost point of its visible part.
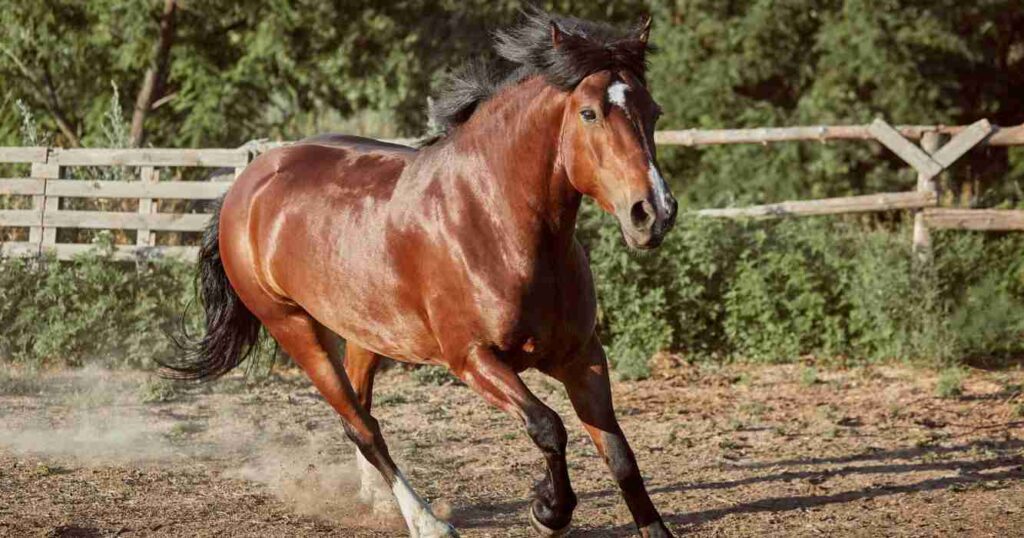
(95, 417)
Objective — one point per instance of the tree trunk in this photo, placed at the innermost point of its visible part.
(153, 82)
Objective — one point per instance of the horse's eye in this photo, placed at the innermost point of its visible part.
(588, 115)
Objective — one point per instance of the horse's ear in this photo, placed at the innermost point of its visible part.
(645, 29)
(556, 34)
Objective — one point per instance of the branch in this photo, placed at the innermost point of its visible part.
(48, 96)
(156, 76)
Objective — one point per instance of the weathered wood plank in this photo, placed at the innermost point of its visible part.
(904, 149)
(974, 219)
(185, 190)
(151, 157)
(922, 239)
(148, 175)
(1003, 136)
(829, 206)
(27, 154)
(20, 217)
(962, 143)
(67, 251)
(46, 171)
(170, 222)
(21, 186)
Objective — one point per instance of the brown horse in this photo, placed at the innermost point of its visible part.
(460, 253)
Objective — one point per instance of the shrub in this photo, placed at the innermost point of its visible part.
(773, 291)
(950, 383)
(91, 309)
(716, 290)
(433, 375)
(809, 376)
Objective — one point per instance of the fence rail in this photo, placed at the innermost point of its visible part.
(46, 185)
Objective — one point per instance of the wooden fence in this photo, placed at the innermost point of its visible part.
(47, 185)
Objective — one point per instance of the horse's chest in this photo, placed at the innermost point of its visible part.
(545, 315)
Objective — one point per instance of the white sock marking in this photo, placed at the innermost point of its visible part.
(421, 521)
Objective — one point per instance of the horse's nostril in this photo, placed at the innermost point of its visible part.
(642, 214)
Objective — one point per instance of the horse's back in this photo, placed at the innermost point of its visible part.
(357, 143)
(343, 169)
(320, 203)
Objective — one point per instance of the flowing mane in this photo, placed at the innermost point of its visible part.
(583, 48)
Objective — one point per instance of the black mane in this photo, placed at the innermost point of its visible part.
(585, 48)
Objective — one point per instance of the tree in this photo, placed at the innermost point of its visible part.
(221, 72)
(769, 63)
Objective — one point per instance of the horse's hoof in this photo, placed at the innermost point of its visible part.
(543, 529)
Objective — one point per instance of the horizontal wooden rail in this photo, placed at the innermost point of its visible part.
(23, 154)
(168, 222)
(67, 251)
(828, 206)
(974, 219)
(1002, 136)
(22, 187)
(151, 157)
(21, 217)
(208, 158)
(182, 190)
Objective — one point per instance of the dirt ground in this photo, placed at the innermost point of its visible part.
(726, 451)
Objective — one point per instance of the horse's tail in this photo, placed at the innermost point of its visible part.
(232, 331)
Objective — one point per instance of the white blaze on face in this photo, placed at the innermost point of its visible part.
(657, 184)
(617, 97)
(617, 94)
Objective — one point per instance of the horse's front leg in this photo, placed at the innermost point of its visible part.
(551, 510)
(586, 382)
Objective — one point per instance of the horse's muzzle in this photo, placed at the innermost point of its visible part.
(647, 221)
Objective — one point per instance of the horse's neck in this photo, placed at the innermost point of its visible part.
(517, 135)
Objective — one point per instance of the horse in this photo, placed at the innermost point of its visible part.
(460, 252)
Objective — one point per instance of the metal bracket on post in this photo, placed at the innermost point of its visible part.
(929, 160)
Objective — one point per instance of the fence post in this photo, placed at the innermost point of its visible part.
(147, 206)
(930, 143)
(43, 235)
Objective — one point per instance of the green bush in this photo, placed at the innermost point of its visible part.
(91, 309)
(829, 288)
(833, 289)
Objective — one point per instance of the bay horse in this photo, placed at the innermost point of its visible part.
(459, 253)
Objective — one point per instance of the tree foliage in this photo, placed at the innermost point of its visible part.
(760, 63)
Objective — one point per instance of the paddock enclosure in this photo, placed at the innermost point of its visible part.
(726, 449)
(152, 181)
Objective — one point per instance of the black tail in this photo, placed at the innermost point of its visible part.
(232, 331)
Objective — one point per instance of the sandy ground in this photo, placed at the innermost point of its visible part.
(727, 451)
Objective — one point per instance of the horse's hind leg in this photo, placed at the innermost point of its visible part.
(361, 366)
(310, 345)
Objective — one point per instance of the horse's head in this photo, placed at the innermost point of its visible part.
(607, 146)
